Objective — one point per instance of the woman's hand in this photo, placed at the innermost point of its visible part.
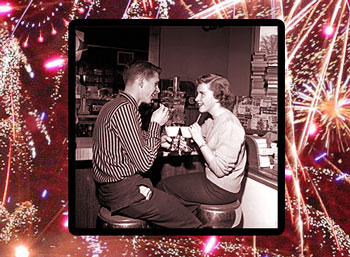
(196, 133)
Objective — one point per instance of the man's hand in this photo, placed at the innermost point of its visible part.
(165, 141)
(145, 191)
(161, 115)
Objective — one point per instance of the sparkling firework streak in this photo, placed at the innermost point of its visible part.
(332, 113)
(147, 10)
(320, 156)
(321, 75)
(317, 92)
(16, 139)
(210, 244)
(11, 127)
(5, 8)
(20, 19)
(206, 14)
(11, 224)
(342, 177)
(306, 21)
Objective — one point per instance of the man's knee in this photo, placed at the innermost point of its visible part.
(161, 196)
(163, 199)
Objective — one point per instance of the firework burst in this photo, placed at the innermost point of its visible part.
(332, 112)
(12, 223)
(311, 55)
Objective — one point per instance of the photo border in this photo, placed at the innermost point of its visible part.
(281, 128)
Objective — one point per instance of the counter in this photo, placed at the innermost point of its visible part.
(260, 186)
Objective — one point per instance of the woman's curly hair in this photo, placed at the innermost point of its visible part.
(221, 88)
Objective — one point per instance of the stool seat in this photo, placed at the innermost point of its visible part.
(221, 207)
(220, 216)
(107, 220)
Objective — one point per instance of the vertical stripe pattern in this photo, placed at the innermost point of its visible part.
(120, 148)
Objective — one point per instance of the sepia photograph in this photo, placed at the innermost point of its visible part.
(176, 127)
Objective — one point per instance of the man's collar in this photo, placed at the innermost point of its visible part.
(130, 98)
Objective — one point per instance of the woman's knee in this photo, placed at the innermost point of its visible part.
(160, 185)
(165, 184)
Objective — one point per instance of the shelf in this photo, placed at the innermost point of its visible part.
(96, 100)
(87, 116)
(255, 131)
(271, 172)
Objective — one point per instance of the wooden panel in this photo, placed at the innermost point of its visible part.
(259, 205)
(86, 203)
(153, 54)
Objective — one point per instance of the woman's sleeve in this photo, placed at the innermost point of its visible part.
(230, 148)
(205, 127)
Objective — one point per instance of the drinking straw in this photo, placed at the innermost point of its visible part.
(199, 116)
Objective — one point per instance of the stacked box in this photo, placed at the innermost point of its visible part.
(258, 66)
(257, 112)
(272, 75)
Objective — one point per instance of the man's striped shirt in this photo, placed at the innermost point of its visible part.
(120, 148)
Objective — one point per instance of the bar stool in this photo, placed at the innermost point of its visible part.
(221, 216)
(107, 221)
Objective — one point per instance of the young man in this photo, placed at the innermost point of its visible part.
(122, 152)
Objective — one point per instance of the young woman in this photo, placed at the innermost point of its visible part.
(222, 144)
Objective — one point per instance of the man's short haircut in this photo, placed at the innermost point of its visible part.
(221, 88)
(139, 67)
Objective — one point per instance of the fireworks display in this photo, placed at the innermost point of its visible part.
(332, 112)
(34, 128)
